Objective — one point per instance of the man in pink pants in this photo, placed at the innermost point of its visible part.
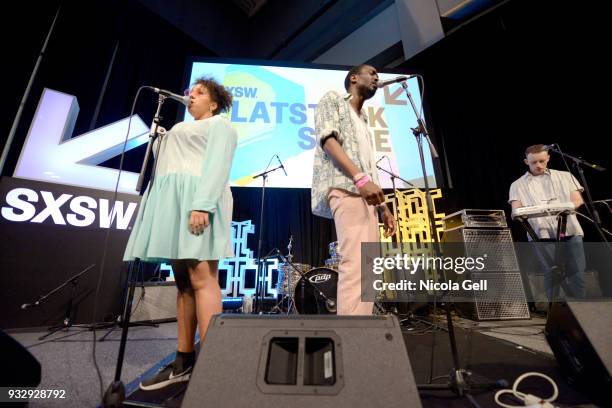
(345, 183)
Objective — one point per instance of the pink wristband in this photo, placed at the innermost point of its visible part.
(358, 177)
(363, 181)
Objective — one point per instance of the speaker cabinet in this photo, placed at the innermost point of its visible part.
(154, 301)
(502, 272)
(580, 333)
(19, 367)
(303, 361)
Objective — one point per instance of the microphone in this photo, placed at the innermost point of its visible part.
(330, 305)
(281, 164)
(400, 78)
(29, 305)
(378, 161)
(182, 99)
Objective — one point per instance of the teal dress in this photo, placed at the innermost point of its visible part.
(192, 173)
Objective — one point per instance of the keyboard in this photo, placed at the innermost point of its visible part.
(544, 210)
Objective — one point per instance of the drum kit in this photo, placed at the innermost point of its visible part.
(306, 290)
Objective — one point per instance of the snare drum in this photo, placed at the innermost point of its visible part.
(315, 293)
(286, 272)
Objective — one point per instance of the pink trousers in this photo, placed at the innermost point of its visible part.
(356, 222)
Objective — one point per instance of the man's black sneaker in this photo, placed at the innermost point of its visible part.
(165, 377)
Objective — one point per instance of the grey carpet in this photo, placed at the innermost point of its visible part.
(67, 362)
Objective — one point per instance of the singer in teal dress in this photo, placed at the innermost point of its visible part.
(185, 218)
(192, 173)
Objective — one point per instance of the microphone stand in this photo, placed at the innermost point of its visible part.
(67, 322)
(259, 287)
(115, 393)
(394, 176)
(459, 381)
(578, 164)
(155, 131)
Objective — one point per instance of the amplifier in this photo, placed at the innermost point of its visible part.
(154, 301)
(477, 233)
(470, 218)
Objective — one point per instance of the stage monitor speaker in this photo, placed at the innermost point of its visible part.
(303, 361)
(579, 334)
(19, 367)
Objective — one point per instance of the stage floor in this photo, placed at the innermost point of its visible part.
(525, 333)
(491, 350)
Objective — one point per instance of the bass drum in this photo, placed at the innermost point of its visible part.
(315, 293)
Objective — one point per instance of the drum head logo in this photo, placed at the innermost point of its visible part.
(320, 277)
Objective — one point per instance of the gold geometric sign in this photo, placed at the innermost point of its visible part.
(413, 234)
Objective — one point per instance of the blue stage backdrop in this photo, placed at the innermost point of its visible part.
(273, 111)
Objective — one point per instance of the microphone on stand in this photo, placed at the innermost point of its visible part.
(556, 149)
(281, 164)
(401, 78)
(383, 156)
(389, 162)
(179, 98)
(29, 305)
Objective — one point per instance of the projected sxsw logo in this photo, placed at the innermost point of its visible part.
(50, 153)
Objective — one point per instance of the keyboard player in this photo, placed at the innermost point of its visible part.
(540, 186)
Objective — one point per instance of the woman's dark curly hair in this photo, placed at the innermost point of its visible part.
(217, 93)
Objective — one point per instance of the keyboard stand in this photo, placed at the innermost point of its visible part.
(557, 270)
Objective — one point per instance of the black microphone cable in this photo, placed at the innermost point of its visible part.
(105, 248)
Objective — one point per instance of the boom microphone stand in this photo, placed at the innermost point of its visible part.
(67, 322)
(459, 381)
(578, 164)
(259, 286)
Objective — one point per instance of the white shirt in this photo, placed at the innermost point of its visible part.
(549, 188)
(366, 152)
